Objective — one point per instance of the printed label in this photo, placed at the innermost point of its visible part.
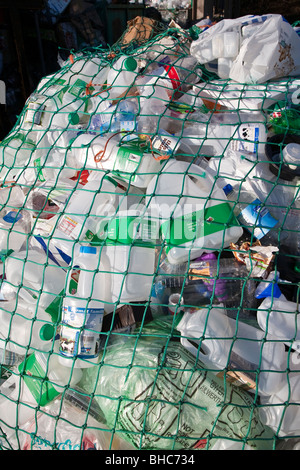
(198, 224)
(247, 139)
(80, 332)
(127, 162)
(257, 216)
(164, 144)
(70, 227)
(42, 390)
(34, 113)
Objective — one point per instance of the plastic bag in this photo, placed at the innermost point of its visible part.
(167, 400)
(250, 49)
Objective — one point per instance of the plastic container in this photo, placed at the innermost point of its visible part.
(235, 348)
(37, 279)
(252, 215)
(240, 132)
(36, 382)
(191, 223)
(128, 162)
(280, 318)
(130, 240)
(26, 327)
(15, 225)
(85, 210)
(275, 153)
(291, 155)
(83, 310)
(15, 153)
(121, 76)
(280, 411)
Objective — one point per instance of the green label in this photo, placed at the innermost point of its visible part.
(54, 308)
(77, 88)
(127, 162)
(35, 378)
(127, 231)
(198, 224)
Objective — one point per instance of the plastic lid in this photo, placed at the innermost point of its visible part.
(130, 64)
(47, 332)
(88, 249)
(73, 118)
(291, 154)
(227, 189)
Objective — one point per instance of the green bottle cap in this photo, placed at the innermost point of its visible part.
(130, 64)
(73, 118)
(47, 332)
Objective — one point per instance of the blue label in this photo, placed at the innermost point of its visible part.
(258, 217)
(80, 332)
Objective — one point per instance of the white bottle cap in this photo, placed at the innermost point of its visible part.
(291, 155)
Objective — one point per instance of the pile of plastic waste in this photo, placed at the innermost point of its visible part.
(150, 246)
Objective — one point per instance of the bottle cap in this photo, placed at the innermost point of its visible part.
(73, 118)
(47, 332)
(227, 189)
(130, 64)
(88, 249)
(291, 155)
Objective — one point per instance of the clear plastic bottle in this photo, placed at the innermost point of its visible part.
(251, 213)
(15, 153)
(83, 310)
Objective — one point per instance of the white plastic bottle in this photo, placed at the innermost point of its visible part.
(126, 161)
(15, 153)
(25, 327)
(15, 222)
(220, 342)
(36, 382)
(121, 76)
(192, 209)
(15, 225)
(86, 208)
(280, 318)
(83, 310)
(130, 248)
(37, 279)
(280, 411)
(238, 131)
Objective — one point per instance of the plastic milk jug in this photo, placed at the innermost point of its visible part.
(83, 310)
(193, 211)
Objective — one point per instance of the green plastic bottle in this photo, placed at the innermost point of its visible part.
(285, 121)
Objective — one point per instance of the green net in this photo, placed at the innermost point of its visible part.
(149, 239)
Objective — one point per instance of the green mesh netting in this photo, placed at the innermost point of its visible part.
(149, 250)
